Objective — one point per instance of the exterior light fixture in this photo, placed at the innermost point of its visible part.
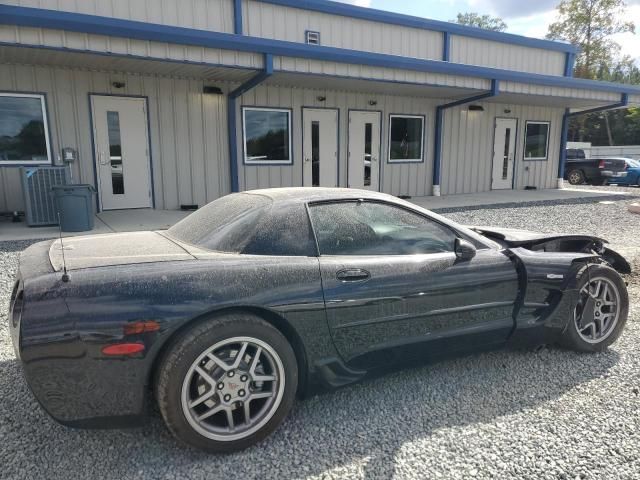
(321, 98)
(209, 90)
(118, 84)
(373, 103)
(476, 108)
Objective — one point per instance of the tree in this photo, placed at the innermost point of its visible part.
(590, 24)
(487, 22)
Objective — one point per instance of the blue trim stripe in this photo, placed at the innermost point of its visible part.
(75, 22)
(237, 17)
(346, 10)
(446, 46)
(232, 117)
(437, 141)
(624, 101)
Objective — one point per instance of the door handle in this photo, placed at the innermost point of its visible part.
(353, 275)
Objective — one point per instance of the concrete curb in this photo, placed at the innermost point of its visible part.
(635, 208)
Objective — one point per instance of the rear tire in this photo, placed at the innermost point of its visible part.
(227, 383)
(575, 177)
(601, 312)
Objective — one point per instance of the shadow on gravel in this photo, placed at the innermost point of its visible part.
(366, 424)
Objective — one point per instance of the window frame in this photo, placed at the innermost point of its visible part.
(310, 205)
(548, 138)
(266, 163)
(47, 136)
(423, 138)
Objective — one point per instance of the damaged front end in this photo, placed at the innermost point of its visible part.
(550, 268)
(557, 243)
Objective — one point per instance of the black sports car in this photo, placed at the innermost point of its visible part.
(263, 296)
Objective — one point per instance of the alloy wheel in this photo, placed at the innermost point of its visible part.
(598, 310)
(233, 389)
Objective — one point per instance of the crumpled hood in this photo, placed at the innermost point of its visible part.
(515, 237)
(115, 249)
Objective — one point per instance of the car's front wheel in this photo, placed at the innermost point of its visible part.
(227, 383)
(601, 311)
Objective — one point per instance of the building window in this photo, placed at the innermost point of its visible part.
(24, 134)
(267, 136)
(536, 145)
(406, 138)
(312, 38)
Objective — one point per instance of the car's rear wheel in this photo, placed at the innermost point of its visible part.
(227, 383)
(575, 177)
(601, 312)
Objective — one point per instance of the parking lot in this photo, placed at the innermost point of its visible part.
(547, 414)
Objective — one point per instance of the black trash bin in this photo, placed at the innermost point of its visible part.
(74, 203)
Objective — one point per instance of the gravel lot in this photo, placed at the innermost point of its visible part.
(551, 414)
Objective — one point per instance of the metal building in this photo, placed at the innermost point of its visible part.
(163, 103)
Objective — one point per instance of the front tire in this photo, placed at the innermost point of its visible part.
(601, 313)
(227, 383)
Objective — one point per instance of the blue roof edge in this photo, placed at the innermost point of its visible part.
(375, 15)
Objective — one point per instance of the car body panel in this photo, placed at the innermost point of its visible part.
(597, 169)
(633, 174)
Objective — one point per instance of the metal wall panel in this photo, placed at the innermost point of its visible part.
(474, 51)
(215, 15)
(188, 130)
(283, 23)
(399, 179)
(123, 46)
(576, 93)
(468, 148)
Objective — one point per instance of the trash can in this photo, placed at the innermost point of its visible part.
(74, 203)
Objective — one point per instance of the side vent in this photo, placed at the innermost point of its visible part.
(37, 183)
(312, 38)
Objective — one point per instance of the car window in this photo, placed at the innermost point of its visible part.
(371, 228)
(633, 163)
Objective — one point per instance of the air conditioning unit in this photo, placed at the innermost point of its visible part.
(37, 183)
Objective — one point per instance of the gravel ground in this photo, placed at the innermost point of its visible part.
(551, 414)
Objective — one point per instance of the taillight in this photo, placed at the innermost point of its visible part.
(602, 164)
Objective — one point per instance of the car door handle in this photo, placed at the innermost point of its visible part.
(353, 275)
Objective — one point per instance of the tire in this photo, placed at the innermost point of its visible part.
(575, 177)
(606, 327)
(191, 384)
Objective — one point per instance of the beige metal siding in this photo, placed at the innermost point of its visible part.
(124, 46)
(188, 130)
(284, 23)
(468, 148)
(474, 51)
(549, 91)
(398, 179)
(302, 65)
(215, 15)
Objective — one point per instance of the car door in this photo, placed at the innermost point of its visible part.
(392, 282)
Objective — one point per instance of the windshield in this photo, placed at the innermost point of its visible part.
(225, 225)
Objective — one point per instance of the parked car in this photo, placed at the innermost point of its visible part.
(633, 173)
(261, 296)
(594, 171)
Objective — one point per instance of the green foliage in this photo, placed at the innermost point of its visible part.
(590, 24)
(487, 22)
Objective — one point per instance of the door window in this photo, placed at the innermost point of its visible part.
(115, 153)
(368, 153)
(507, 153)
(371, 228)
(315, 153)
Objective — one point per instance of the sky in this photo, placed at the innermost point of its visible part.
(530, 17)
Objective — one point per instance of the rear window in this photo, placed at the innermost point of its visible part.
(248, 223)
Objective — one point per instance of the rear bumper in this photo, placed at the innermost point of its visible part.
(610, 174)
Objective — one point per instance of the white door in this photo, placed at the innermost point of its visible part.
(122, 152)
(320, 147)
(504, 153)
(364, 150)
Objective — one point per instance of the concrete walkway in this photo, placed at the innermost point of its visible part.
(147, 219)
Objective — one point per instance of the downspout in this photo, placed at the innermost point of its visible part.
(624, 101)
(437, 157)
(237, 17)
(232, 117)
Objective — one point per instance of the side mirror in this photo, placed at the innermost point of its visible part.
(465, 250)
